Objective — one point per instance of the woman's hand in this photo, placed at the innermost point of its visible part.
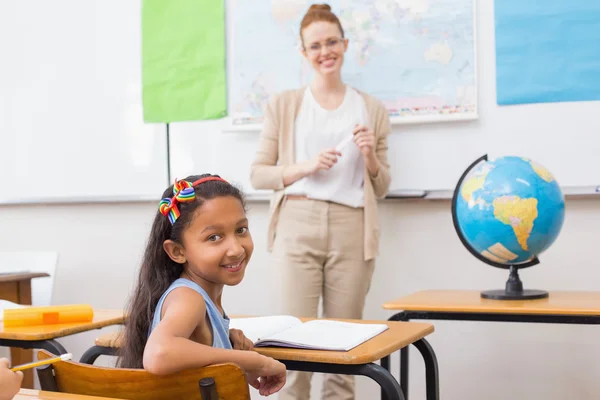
(323, 162)
(239, 340)
(365, 140)
(269, 378)
(10, 382)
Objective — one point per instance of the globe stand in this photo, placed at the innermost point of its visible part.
(514, 289)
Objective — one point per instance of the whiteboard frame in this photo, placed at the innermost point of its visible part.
(570, 192)
(424, 119)
(14, 201)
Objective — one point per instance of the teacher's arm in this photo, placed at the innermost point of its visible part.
(381, 179)
(264, 171)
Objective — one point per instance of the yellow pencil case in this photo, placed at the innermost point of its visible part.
(64, 314)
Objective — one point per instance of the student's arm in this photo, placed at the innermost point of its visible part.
(170, 350)
(10, 382)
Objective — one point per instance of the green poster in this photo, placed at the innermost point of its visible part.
(183, 60)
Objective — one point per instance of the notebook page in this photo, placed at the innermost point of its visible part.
(259, 327)
(326, 335)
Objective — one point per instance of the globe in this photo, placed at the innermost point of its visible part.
(507, 212)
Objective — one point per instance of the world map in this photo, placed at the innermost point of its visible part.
(416, 56)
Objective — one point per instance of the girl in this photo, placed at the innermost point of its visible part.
(198, 244)
(323, 150)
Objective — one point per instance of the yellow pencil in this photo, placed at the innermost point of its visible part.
(64, 357)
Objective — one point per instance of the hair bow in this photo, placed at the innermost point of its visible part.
(183, 191)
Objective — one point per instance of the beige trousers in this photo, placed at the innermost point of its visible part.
(318, 251)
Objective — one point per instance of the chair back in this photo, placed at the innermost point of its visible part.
(137, 384)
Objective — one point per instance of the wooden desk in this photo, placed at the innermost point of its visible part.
(27, 394)
(102, 318)
(43, 336)
(358, 361)
(560, 307)
(582, 307)
(16, 287)
(398, 335)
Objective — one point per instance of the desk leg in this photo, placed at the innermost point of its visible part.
(432, 375)
(53, 347)
(389, 386)
(385, 363)
(403, 316)
(404, 370)
(431, 370)
(19, 356)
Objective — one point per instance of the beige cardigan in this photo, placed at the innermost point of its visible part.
(276, 150)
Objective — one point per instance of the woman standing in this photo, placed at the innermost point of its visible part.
(323, 150)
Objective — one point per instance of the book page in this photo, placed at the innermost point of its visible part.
(256, 328)
(325, 335)
(8, 305)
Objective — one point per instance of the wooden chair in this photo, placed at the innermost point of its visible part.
(107, 345)
(229, 380)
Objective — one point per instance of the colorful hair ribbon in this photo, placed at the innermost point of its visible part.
(183, 191)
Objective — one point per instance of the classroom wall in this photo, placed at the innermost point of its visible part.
(100, 247)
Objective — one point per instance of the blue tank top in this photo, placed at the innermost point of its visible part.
(219, 323)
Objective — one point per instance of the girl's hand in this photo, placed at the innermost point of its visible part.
(269, 378)
(365, 140)
(239, 340)
(10, 382)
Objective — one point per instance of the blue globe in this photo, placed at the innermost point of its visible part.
(509, 210)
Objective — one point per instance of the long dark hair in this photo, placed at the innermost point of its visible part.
(158, 271)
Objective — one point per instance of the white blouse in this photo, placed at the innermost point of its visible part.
(317, 129)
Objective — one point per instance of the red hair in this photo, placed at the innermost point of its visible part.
(317, 13)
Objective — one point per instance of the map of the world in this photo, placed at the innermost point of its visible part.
(417, 56)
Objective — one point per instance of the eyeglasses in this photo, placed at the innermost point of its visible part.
(329, 44)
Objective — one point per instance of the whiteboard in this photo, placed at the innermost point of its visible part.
(71, 122)
(563, 137)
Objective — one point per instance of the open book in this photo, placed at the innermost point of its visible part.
(318, 334)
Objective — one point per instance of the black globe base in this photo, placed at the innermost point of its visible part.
(527, 294)
(514, 289)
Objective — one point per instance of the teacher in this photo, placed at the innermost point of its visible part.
(323, 150)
